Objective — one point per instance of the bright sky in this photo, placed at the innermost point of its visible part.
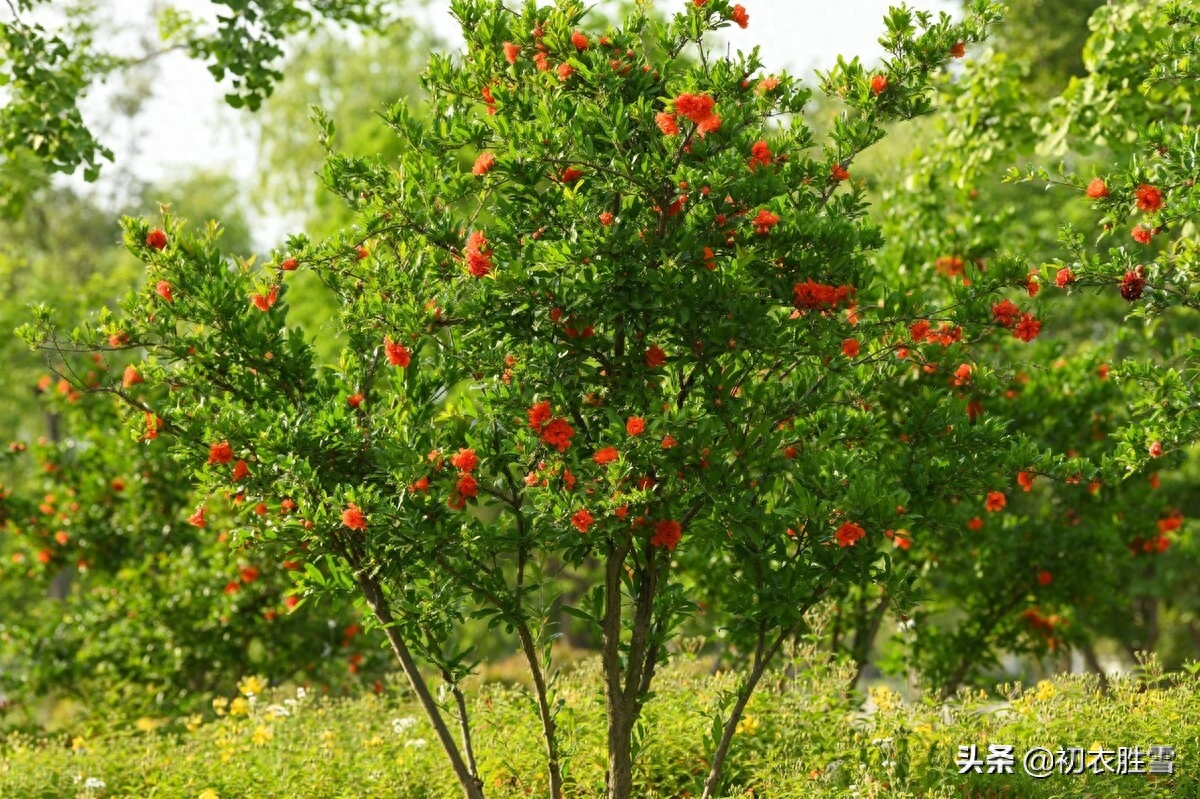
(187, 124)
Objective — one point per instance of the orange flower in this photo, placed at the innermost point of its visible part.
(539, 415)
(849, 533)
(265, 302)
(760, 154)
(667, 533)
(197, 519)
(397, 354)
(163, 289)
(606, 218)
(655, 357)
(995, 501)
(582, 520)
(850, 348)
(1025, 480)
(1097, 189)
(975, 525)
(1149, 199)
(579, 40)
(240, 470)
(739, 15)
(879, 84)
(764, 222)
(131, 377)
(558, 434)
(605, 456)
(220, 453)
(696, 107)
(353, 518)
(1044, 577)
(477, 254)
(465, 460)
(289, 265)
(634, 425)
(483, 163)
(958, 49)
(838, 173)
(466, 486)
(511, 51)
(768, 84)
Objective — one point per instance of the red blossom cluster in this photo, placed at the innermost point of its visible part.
(764, 222)
(265, 302)
(466, 487)
(477, 254)
(818, 296)
(849, 533)
(397, 353)
(700, 109)
(554, 431)
(760, 155)
(667, 533)
(353, 518)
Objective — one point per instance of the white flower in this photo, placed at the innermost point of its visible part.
(905, 625)
(401, 726)
(94, 784)
(301, 692)
(416, 743)
(277, 711)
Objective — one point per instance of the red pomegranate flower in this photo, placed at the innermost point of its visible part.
(157, 239)
(353, 518)
(667, 533)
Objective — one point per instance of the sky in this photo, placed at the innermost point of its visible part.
(186, 124)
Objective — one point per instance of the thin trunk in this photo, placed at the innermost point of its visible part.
(618, 782)
(471, 784)
(464, 728)
(718, 763)
(549, 728)
(864, 638)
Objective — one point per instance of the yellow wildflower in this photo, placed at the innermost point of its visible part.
(1045, 691)
(239, 707)
(252, 685)
(748, 725)
(193, 722)
(208, 793)
(885, 698)
(78, 743)
(263, 735)
(220, 704)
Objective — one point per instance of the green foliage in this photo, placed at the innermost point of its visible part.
(47, 69)
(284, 745)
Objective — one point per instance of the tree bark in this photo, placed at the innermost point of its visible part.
(372, 591)
(618, 781)
(549, 727)
(718, 762)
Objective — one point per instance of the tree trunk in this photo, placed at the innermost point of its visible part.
(372, 591)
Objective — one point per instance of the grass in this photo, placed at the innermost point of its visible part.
(803, 736)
